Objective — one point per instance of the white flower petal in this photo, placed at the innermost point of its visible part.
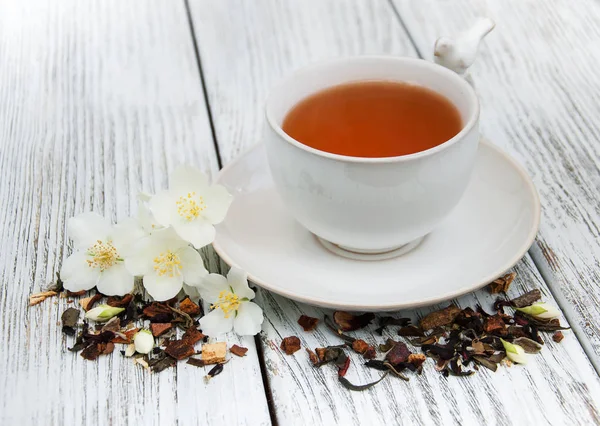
(162, 287)
(125, 234)
(192, 266)
(217, 200)
(186, 178)
(248, 320)
(214, 323)
(86, 228)
(163, 207)
(191, 291)
(198, 232)
(146, 219)
(211, 286)
(238, 281)
(115, 281)
(76, 274)
(168, 239)
(141, 262)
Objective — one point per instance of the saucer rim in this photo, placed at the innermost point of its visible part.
(397, 306)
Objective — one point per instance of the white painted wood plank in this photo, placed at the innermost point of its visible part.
(538, 81)
(98, 100)
(244, 53)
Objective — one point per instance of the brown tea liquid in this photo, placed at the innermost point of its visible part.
(373, 119)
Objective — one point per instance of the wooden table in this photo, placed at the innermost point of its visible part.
(102, 98)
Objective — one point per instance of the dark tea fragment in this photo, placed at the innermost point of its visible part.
(558, 337)
(308, 323)
(180, 349)
(195, 362)
(119, 302)
(290, 345)
(440, 318)
(411, 331)
(502, 284)
(528, 345)
(189, 307)
(215, 371)
(398, 353)
(349, 322)
(388, 321)
(160, 328)
(192, 336)
(348, 385)
(527, 299)
(69, 321)
(238, 350)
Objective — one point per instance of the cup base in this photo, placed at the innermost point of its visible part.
(354, 254)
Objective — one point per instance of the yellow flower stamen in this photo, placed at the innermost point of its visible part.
(167, 263)
(104, 255)
(228, 301)
(190, 206)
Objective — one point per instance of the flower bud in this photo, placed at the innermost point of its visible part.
(103, 313)
(541, 310)
(514, 352)
(143, 341)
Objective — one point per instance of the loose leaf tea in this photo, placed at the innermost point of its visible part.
(308, 323)
(346, 383)
(349, 322)
(440, 318)
(290, 345)
(527, 298)
(238, 350)
(502, 284)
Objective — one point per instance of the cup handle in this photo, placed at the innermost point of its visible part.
(459, 52)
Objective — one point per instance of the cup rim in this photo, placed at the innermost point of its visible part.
(400, 158)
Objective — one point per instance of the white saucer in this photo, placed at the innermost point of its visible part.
(488, 232)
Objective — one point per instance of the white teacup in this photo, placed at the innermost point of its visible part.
(371, 205)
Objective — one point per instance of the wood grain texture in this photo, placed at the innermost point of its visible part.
(538, 83)
(98, 100)
(243, 54)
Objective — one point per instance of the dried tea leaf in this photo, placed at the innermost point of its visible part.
(370, 353)
(377, 364)
(110, 347)
(192, 336)
(329, 354)
(395, 372)
(160, 328)
(93, 351)
(495, 325)
(417, 360)
(387, 321)
(113, 324)
(161, 362)
(158, 312)
(308, 323)
(238, 350)
(126, 337)
(189, 307)
(290, 345)
(443, 352)
(440, 318)
(528, 345)
(478, 346)
(88, 303)
(314, 359)
(389, 344)
(399, 353)
(196, 362)
(558, 337)
(213, 353)
(36, 299)
(215, 371)
(344, 368)
(350, 322)
(346, 338)
(346, 383)
(411, 331)
(119, 302)
(502, 284)
(486, 362)
(360, 346)
(527, 298)
(179, 349)
(69, 317)
(181, 318)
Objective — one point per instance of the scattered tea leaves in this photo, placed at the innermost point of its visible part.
(69, 321)
(179, 349)
(160, 328)
(502, 284)
(350, 322)
(192, 336)
(189, 307)
(308, 323)
(440, 318)
(387, 321)
(196, 362)
(290, 345)
(410, 331)
(558, 337)
(238, 350)
(527, 299)
(348, 385)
